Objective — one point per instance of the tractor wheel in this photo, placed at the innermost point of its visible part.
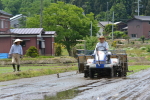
(121, 73)
(125, 73)
(86, 73)
(115, 72)
(91, 73)
(111, 72)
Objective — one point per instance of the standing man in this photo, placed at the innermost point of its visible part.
(16, 53)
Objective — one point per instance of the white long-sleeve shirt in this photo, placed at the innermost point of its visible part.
(104, 44)
(16, 49)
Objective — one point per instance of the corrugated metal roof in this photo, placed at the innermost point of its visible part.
(16, 17)
(125, 28)
(104, 23)
(50, 32)
(5, 13)
(117, 23)
(144, 18)
(26, 30)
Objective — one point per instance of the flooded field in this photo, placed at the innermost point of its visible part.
(74, 86)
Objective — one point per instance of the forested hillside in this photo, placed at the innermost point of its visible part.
(124, 9)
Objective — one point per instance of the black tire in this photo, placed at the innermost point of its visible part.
(111, 72)
(86, 73)
(91, 73)
(120, 74)
(115, 71)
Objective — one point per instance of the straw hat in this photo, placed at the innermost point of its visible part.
(101, 37)
(18, 40)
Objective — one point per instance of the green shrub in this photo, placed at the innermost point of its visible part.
(142, 38)
(114, 44)
(32, 52)
(148, 49)
(143, 48)
(58, 50)
(132, 42)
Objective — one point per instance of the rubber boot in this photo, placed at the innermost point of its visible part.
(18, 68)
(14, 67)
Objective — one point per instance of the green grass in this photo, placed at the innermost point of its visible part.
(137, 68)
(28, 72)
(25, 68)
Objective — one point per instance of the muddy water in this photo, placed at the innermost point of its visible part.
(74, 87)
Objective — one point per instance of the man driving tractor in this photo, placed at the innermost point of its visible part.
(103, 44)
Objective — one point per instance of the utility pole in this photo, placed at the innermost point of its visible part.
(91, 28)
(113, 26)
(107, 13)
(41, 14)
(138, 8)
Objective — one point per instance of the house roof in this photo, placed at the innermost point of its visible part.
(5, 13)
(125, 28)
(16, 17)
(50, 32)
(104, 23)
(31, 31)
(27, 31)
(117, 23)
(144, 18)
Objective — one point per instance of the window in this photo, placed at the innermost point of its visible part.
(6, 24)
(23, 43)
(149, 22)
(1, 23)
(149, 33)
(133, 35)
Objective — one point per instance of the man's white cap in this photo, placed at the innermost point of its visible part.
(18, 40)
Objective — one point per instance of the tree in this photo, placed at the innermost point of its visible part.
(91, 42)
(120, 12)
(11, 6)
(108, 29)
(147, 11)
(68, 21)
(101, 16)
(1, 5)
(118, 34)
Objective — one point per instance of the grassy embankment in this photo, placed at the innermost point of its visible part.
(33, 71)
(33, 67)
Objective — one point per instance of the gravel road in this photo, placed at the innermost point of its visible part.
(75, 87)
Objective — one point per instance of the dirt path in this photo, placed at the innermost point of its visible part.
(74, 86)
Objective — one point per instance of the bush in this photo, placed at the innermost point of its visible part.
(148, 49)
(114, 44)
(142, 38)
(58, 50)
(32, 52)
(132, 42)
(143, 48)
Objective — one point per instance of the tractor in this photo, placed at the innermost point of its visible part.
(104, 63)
